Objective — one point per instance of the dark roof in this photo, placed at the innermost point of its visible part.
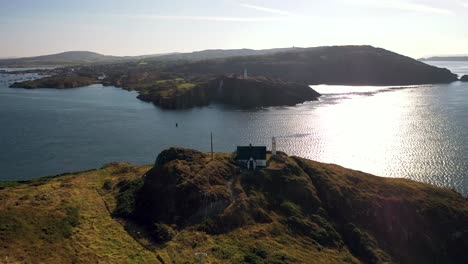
(256, 152)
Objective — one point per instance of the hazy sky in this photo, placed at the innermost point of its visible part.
(122, 27)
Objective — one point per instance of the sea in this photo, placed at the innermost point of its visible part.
(415, 132)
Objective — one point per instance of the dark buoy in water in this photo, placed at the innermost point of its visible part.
(176, 124)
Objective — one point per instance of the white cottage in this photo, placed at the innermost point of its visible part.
(252, 156)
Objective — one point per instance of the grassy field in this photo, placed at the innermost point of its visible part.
(69, 219)
(293, 211)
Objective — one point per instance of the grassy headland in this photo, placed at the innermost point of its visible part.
(293, 211)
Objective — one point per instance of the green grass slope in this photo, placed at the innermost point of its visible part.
(67, 219)
(293, 211)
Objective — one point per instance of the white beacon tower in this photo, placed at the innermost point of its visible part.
(273, 146)
(245, 74)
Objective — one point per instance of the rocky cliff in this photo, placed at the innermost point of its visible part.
(260, 91)
(174, 98)
(231, 90)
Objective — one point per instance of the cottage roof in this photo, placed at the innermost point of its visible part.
(255, 152)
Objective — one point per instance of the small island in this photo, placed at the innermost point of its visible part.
(291, 211)
(464, 78)
(56, 82)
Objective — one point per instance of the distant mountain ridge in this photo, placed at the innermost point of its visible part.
(445, 58)
(218, 54)
(70, 58)
(334, 65)
(61, 59)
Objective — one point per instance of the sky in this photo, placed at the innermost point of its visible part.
(416, 28)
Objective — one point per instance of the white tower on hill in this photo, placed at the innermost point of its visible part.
(273, 146)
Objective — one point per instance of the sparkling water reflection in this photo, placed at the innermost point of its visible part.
(419, 133)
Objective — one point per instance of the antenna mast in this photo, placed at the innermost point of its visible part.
(201, 255)
(211, 135)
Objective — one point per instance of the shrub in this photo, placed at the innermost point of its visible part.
(162, 233)
(363, 245)
(290, 209)
(252, 258)
(281, 258)
(316, 228)
(222, 252)
(124, 170)
(260, 252)
(73, 216)
(107, 185)
(54, 229)
(126, 197)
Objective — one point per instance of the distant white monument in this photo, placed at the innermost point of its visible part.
(245, 74)
(273, 146)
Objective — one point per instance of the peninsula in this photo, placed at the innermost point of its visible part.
(292, 211)
(276, 77)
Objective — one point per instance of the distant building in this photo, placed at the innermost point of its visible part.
(246, 76)
(102, 77)
(252, 156)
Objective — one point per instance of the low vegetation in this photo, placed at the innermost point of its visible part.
(293, 211)
(67, 218)
(56, 82)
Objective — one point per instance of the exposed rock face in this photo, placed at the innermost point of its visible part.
(464, 78)
(261, 91)
(380, 220)
(196, 96)
(232, 90)
(340, 65)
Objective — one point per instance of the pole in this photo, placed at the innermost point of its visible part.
(201, 255)
(211, 135)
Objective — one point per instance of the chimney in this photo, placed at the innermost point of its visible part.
(273, 146)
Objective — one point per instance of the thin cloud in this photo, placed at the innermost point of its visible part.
(280, 15)
(199, 18)
(267, 9)
(463, 3)
(414, 7)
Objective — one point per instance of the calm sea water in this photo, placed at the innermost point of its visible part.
(419, 133)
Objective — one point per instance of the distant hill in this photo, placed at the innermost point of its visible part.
(86, 57)
(446, 58)
(218, 54)
(60, 59)
(347, 65)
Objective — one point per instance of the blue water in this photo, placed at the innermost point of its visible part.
(419, 133)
